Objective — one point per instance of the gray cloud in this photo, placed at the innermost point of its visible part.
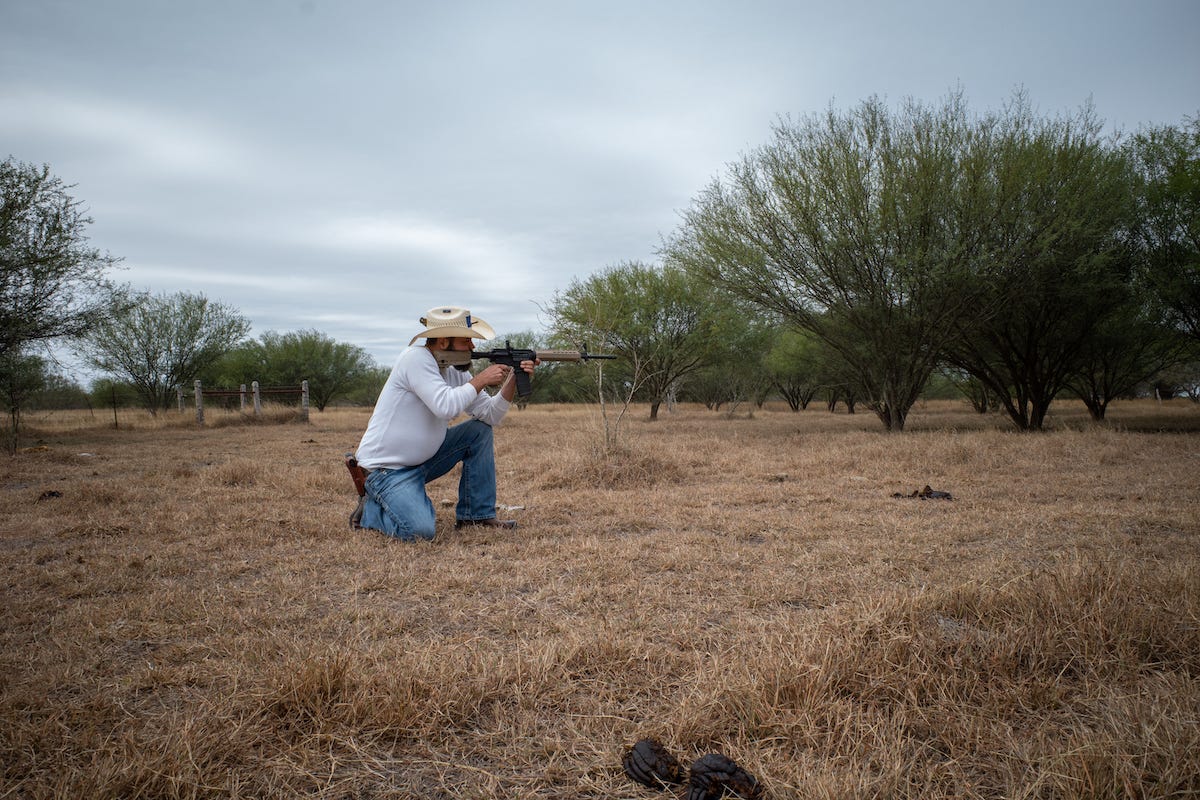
(347, 165)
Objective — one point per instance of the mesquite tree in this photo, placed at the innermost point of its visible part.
(860, 228)
(163, 341)
(1058, 261)
(664, 325)
(1167, 160)
(333, 369)
(53, 284)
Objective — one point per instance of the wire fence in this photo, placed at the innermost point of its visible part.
(256, 394)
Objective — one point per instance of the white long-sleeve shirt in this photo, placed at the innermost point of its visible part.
(416, 406)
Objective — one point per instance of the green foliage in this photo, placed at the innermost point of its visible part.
(1168, 163)
(52, 284)
(21, 376)
(27, 383)
(113, 393)
(333, 369)
(365, 391)
(59, 392)
(1054, 265)
(664, 325)
(241, 364)
(736, 371)
(940, 387)
(1126, 349)
(160, 342)
(1006, 246)
(799, 365)
(857, 228)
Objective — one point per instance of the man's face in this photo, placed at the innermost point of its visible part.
(461, 343)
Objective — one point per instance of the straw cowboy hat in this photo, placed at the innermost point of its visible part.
(454, 322)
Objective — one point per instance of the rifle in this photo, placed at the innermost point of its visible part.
(512, 357)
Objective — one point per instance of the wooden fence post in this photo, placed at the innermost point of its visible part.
(199, 404)
(257, 399)
(242, 398)
(179, 395)
(304, 400)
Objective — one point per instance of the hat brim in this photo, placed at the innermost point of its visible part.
(478, 330)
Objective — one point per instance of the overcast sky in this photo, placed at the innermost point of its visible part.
(343, 166)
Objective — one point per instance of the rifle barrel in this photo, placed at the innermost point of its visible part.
(446, 358)
(567, 355)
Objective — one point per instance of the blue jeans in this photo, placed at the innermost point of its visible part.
(396, 502)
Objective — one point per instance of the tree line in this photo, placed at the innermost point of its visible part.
(861, 255)
(1016, 256)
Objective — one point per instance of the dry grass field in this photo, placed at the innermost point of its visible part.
(187, 615)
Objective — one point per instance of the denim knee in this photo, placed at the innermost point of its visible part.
(481, 432)
(397, 504)
(411, 523)
(424, 528)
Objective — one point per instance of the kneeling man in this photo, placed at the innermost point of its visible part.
(408, 442)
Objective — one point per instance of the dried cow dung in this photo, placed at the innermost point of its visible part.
(714, 776)
(649, 763)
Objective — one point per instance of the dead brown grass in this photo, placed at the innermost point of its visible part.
(190, 617)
